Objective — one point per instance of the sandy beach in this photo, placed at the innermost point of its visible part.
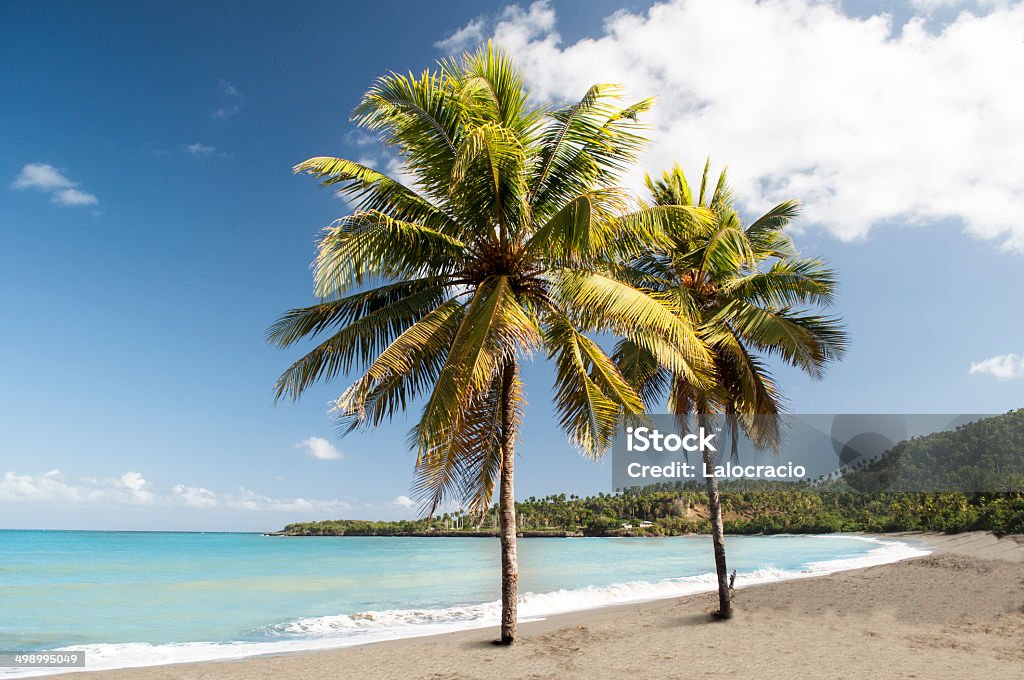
(957, 613)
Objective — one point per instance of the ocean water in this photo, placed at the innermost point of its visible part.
(134, 599)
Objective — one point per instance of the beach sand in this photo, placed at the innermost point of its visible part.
(957, 613)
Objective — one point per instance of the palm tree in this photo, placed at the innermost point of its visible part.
(497, 247)
(755, 297)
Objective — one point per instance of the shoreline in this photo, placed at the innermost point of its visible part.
(380, 655)
(446, 534)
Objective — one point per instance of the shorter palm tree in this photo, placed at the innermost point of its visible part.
(754, 296)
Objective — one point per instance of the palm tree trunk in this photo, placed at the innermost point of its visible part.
(507, 509)
(718, 538)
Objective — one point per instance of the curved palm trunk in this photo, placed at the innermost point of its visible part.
(507, 510)
(718, 538)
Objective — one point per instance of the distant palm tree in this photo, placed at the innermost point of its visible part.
(498, 246)
(754, 296)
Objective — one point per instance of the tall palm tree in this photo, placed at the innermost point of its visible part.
(754, 297)
(498, 247)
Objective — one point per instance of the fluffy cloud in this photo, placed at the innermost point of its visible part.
(48, 179)
(136, 486)
(54, 487)
(46, 487)
(404, 502)
(469, 35)
(133, 481)
(74, 197)
(319, 448)
(133, 489)
(41, 176)
(195, 496)
(1002, 367)
(866, 122)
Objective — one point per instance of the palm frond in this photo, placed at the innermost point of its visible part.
(422, 118)
(722, 199)
(807, 341)
(642, 370)
(767, 233)
(302, 322)
(584, 230)
(591, 394)
(570, 126)
(725, 251)
(355, 343)
(655, 227)
(704, 182)
(405, 370)
(672, 188)
(789, 283)
(467, 465)
(493, 331)
(487, 183)
(367, 245)
(492, 91)
(596, 301)
(588, 145)
(373, 191)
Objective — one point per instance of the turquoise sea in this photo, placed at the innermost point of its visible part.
(134, 599)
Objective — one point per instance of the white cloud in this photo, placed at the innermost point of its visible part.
(1003, 367)
(133, 481)
(198, 149)
(48, 486)
(133, 489)
(319, 448)
(46, 178)
(41, 176)
(74, 197)
(53, 486)
(466, 38)
(231, 100)
(195, 496)
(866, 123)
(136, 485)
(404, 502)
(250, 500)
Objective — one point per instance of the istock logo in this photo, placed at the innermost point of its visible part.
(859, 452)
(650, 439)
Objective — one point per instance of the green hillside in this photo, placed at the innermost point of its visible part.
(986, 455)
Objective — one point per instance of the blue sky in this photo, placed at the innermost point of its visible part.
(150, 231)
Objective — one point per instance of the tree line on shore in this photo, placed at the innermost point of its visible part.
(747, 508)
